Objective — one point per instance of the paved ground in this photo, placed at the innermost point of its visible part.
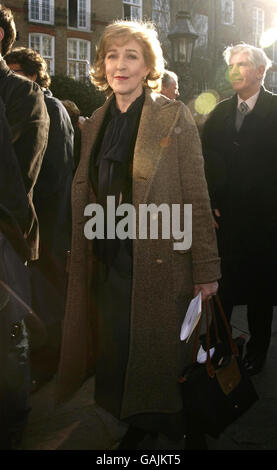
(81, 425)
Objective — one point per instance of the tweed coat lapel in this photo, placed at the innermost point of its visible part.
(256, 118)
(152, 139)
(230, 117)
(90, 132)
(259, 113)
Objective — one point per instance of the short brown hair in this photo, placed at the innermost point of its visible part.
(146, 35)
(31, 63)
(73, 110)
(8, 25)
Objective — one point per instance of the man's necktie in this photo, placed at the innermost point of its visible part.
(241, 113)
(243, 107)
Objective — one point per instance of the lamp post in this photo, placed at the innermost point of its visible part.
(182, 38)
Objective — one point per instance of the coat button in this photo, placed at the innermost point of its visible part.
(15, 330)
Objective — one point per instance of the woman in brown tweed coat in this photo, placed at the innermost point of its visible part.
(127, 298)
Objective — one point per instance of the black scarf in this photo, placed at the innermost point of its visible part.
(113, 167)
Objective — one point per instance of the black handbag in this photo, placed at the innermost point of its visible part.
(218, 391)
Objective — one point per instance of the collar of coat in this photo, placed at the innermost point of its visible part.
(260, 109)
(158, 118)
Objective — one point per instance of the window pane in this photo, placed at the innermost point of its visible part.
(161, 15)
(83, 50)
(34, 14)
(72, 13)
(79, 58)
(135, 13)
(49, 65)
(126, 12)
(82, 69)
(258, 25)
(46, 46)
(45, 10)
(201, 26)
(35, 43)
(227, 11)
(72, 69)
(132, 9)
(82, 13)
(162, 5)
(72, 49)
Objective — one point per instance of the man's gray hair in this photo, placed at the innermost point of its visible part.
(168, 78)
(256, 55)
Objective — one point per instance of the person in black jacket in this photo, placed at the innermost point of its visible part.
(28, 120)
(240, 147)
(13, 196)
(52, 204)
(14, 251)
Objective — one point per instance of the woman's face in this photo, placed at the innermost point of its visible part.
(125, 69)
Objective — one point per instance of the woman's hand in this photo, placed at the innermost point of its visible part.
(217, 215)
(207, 290)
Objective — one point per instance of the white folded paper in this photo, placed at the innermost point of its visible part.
(192, 318)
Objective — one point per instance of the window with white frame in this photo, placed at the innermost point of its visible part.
(200, 23)
(227, 11)
(161, 14)
(258, 25)
(274, 45)
(79, 14)
(78, 58)
(44, 44)
(41, 11)
(132, 9)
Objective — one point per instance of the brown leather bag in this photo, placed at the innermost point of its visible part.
(217, 392)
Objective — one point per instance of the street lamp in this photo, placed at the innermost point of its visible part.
(182, 38)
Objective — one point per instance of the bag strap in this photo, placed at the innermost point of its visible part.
(209, 366)
(209, 305)
(233, 345)
(215, 322)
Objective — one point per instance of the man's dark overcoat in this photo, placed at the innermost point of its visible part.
(241, 170)
(52, 192)
(52, 200)
(29, 123)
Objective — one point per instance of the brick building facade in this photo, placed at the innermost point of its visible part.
(65, 32)
(220, 23)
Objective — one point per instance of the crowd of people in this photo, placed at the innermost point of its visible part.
(111, 307)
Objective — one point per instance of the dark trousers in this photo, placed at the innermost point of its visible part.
(259, 316)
